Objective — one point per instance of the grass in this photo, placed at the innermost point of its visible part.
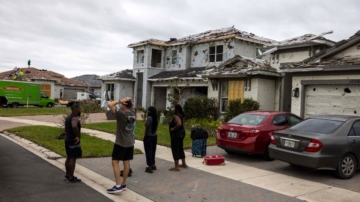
(45, 136)
(162, 132)
(7, 112)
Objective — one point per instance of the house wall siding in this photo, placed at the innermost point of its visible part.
(253, 90)
(183, 53)
(244, 48)
(350, 52)
(287, 57)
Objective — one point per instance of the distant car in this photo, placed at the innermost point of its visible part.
(328, 142)
(94, 96)
(250, 132)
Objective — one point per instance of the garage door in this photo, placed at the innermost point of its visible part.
(71, 94)
(332, 99)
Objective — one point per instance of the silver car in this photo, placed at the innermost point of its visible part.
(327, 142)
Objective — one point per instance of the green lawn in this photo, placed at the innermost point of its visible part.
(33, 111)
(162, 132)
(45, 136)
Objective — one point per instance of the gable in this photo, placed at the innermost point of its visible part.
(353, 51)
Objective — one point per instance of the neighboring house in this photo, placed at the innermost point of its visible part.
(289, 51)
(91, 80)
(116, 86)
(51, 82)
(328, 81)
(182, 62)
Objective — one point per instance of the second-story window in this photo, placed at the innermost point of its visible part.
(173, 56)
(216, 53)
(140, 56)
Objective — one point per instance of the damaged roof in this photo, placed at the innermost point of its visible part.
(338, 47)
(126, 74)
(306, 38)
(323, 58)
(31, 74)
(90, 79)
(211, 35)
(242, 66)
(300, 41)
(188, 73)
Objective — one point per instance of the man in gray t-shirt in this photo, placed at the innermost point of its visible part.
(124, 143)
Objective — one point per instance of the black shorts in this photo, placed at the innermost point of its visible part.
(73, 151)
(122, 153)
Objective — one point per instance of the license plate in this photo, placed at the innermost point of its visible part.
(232, 134)
(289, 143)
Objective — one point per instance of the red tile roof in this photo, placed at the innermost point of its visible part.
(31, 74)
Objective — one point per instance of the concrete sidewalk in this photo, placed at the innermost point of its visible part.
(272, 186)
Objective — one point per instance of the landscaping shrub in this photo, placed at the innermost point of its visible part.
(201, 108)
(237, 107)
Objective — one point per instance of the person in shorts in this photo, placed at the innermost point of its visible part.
(72, 143)
(124, 142)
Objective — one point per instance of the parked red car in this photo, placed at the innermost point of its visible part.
(251, 132)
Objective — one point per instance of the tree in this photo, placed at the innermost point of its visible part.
(179, 93)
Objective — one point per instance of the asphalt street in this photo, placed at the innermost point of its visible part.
(26, 177)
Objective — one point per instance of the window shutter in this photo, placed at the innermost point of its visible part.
(177, 59)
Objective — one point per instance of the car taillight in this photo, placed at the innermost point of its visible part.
(252, 133)
(314, 146)
(272, 138)
(221, 132)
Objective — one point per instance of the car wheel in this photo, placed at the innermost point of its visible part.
(266, 155)
(346, 167)
(229, 152)
(49, 105)
(14, 105)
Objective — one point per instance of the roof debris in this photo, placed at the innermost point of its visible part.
(188, 73)
(209, 36)
(31, 74)
(124, 74)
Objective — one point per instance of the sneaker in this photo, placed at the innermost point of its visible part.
(148, 170)
(73, 180)
(153, 167)
(130, 172)
(117, 189)
(66, 178)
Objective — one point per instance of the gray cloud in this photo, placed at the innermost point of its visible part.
(75, 37)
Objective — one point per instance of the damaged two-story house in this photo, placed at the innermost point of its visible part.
(196, 62)
(328, 81)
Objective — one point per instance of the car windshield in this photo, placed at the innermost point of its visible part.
(318, 126)
(248, 119)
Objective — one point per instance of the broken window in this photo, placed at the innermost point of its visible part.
(109, 92)
(174, 57)
(140, 56)
(257, 52)
(156, 58)
(216, 53)
(224, 96)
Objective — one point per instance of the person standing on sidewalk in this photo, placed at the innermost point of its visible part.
(150, 139)
(177, 135)
(124, 143)
(72, 143)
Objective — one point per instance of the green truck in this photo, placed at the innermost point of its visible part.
(17, 93)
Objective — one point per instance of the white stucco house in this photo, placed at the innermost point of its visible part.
(184, 61)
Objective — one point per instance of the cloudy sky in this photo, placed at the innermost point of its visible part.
(75, 37)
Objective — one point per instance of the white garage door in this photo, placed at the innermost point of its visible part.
(332, 99)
